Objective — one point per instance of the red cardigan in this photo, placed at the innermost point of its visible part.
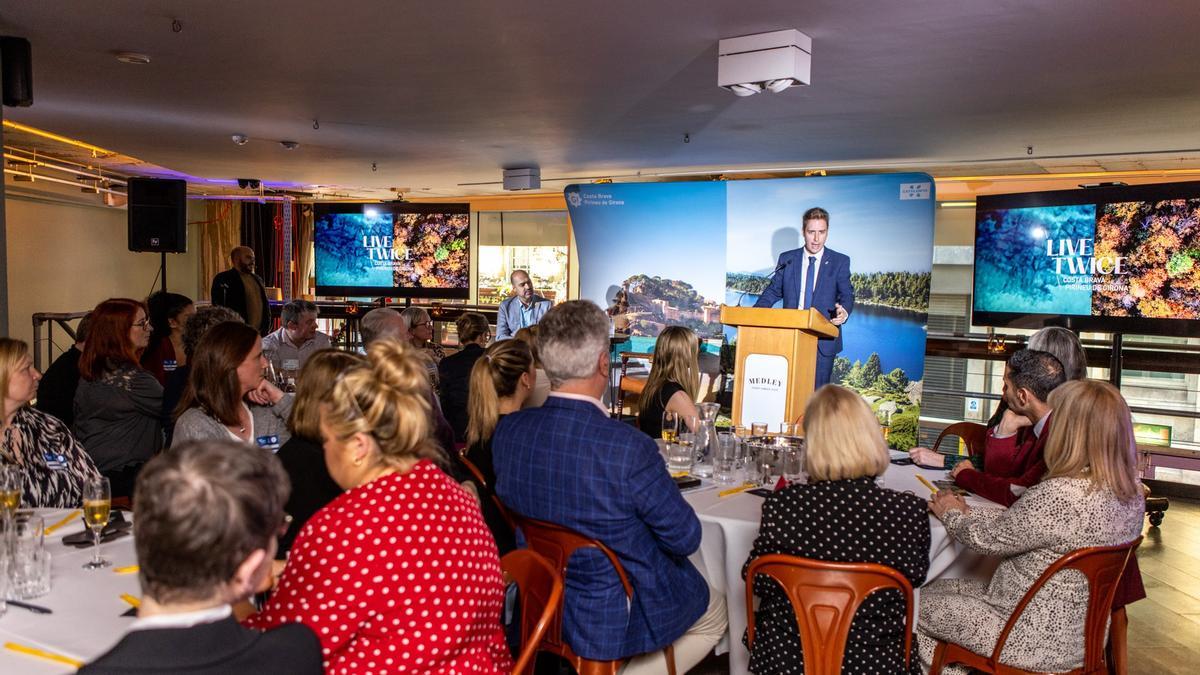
(1011, 461)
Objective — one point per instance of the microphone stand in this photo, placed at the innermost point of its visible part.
(770, 277)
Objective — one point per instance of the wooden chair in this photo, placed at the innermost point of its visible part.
(630, 384)
(825, 596)
(478, 475)
(1102, 566)
(972, 433)
(540, 590)
(557, 543)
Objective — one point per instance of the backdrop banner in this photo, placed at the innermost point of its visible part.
(661, 254)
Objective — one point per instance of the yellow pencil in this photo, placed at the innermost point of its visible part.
(128, 569)
(66, 519)
(931, 486)
(41, 654)
(735, 490)
(136, 602)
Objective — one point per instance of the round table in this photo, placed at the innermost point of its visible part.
(87, 604)
(730, 525)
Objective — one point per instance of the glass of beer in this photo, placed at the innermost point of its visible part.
(10, 490)
(670, 426)
(97, 502)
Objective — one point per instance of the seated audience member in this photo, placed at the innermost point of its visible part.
(500, 382)
(569, 463)
(297, 338)
(382, 323)
(56, 391)
(204, 524)
(372, 606)
(673, 381)
(841, 515)
(54, 465)
(1089, 497)
(227, 396)
(118, 405)
(195, 328)
(454, 372)
(541, 387)
(302, 457)
(164, 353)
(420, 334)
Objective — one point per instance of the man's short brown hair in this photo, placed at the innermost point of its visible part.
(201, 509)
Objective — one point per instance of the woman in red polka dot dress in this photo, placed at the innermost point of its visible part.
(400, 573)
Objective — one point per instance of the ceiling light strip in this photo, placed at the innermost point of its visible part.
(95, 149)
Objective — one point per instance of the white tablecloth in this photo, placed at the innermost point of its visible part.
(87, 604)
(730, 525)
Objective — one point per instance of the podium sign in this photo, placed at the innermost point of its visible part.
(776, 361)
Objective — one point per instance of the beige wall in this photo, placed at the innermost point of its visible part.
(65, 257)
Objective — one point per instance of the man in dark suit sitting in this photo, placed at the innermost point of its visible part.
(569, 463)
(816, 277)
(205, 523)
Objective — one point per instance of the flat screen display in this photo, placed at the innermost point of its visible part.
(1120, 259)
(393, 249)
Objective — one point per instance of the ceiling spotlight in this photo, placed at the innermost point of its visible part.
(773, 61)
(249, 183)
(132, 58)
(289, 145)
(240, 139)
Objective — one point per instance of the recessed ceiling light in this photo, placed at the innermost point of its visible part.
(133, 58)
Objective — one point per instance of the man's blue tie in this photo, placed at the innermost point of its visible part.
(808, 281)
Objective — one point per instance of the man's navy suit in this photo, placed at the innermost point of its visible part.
(832, 288)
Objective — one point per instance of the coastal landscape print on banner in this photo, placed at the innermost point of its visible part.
(884, 223)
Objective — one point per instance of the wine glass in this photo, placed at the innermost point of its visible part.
(97, 502)
(10, 490)
(670, 426)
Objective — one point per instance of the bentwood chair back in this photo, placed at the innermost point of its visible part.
(1102, 566)
(478, 475)
(540, 590)
(556, 543)
(973, 434)
(825, 596)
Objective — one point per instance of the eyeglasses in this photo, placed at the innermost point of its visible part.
(418, 325)
(144, 323)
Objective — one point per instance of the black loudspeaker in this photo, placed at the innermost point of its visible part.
(17, 71)
(158, 215)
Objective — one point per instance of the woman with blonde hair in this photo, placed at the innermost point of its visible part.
(673, 382)
(541, 386)
(54, 466)
(841, 515)
(1090, 497)
(407, 537)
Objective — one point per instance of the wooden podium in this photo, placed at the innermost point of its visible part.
(776, 361)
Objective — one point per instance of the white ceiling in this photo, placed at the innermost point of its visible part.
(443, 95)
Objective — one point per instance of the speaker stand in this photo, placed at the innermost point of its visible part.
(162, 270)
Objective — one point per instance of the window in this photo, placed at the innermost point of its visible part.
(535, 241)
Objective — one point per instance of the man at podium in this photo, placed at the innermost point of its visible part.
(816, 277)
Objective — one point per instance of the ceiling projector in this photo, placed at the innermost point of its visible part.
(772, 61)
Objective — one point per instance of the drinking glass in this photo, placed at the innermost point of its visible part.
(758, 429)
(682, 454)
(30, 563)
(10, 490)
(5, 524)
(767, 463)
(97, 502)
(792, 459)
(787, 428)
(670, 426)
(725, 459)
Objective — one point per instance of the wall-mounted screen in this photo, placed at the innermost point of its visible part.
(1114, 259)
(393, 249)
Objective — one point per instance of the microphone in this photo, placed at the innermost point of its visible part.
(770, 276)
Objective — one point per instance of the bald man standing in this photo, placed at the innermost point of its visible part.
(241, 290)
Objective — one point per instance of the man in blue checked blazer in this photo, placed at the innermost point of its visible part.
(816, 277)
(568, 462)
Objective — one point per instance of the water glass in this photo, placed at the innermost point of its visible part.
(725, 459)
(681, 455)
(30, 562)
(768, 465)
(792, 461)
(4, 563)
(788, 428)
(758, 429)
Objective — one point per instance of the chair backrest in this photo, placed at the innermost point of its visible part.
(540, 588)
(478, 475)
(972, 433)
(557, 543)
(1102, 566)
(825, 596)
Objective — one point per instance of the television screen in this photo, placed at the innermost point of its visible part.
(1114, 259)
(393, 249)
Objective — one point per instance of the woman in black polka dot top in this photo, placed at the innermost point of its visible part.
(841, 515)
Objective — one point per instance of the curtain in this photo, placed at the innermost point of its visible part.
(262, 231)
(302, 257)
(220, 232)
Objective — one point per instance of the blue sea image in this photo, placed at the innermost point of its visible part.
(341, 258)
(1013, 272)
(898, 336)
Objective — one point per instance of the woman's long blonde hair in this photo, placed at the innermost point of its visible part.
(389, 400)
(1091, 435)
(842, 436)
(316, 379)
(676, 359)
(496, 375)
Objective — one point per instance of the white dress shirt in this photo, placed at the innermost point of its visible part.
(804, 270)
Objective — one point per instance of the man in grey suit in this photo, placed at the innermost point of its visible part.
(524, 309)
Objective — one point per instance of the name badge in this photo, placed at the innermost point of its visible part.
(268, 443)
(55, 461)
(291, 364)
(169, 365)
